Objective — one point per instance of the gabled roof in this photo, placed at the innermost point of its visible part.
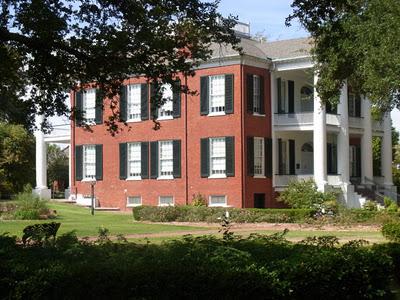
(285, 49)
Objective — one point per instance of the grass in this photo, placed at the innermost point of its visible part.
(77, 218)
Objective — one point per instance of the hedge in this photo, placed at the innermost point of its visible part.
(212, 214)
(204, 267)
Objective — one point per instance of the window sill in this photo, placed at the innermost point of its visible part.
(165, 118)
(259, 176)
(216, 114)
(165, 177)
(133, 178)
(218, 205)
(133, 205)
(134, 121)
(217, 176)
(165, 205)
(88, 179)
(258, 115)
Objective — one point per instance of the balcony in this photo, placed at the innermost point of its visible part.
(303, 119)
(377, 126)
(284, 180)
(356, 122)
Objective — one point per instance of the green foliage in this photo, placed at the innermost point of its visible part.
(391, 231)
(370, 205)
(304, 194)
(355, 41)
(213, 214)
(30, 206)
(17, 159)
(50, 46)
(57, 165)
(390, 205)
(237, 268)
(199, 200)
(39, 233)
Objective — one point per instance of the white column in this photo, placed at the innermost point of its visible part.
(41, 188)
(67, 193)
(320, 156)
(366, 142)
(273, 136)
(344, 138)
(387, 150)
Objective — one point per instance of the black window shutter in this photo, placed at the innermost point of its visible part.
(250, 93)
(79, 107)
(250, 156)
(229, 94)
(123, 104)
(268, 157)
(230, 155)
(279, 94)
(262, 101)
(204, 95)
(291, 96)
(144, 101)
(145, 160)
(358, 106)
(123, 161)
(78, 163)
(280, 158)
(99, 106)
(358, 161)
(153, 160)
(205, 157)
(177, 99)
(177, 158)
(292, 157)
(334, 159)
(154, 107)
(99, 162)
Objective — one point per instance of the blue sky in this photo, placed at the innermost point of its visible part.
(268, 16)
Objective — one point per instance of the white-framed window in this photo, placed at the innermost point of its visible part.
(282, 102)
(134, 92)
(256, 94)
(166, 201)
(259, 161)
(134, 160)
(166, 110)
(217, 94)
(166, 159)
(217, 157)
(89, 162)
(133, 201)
(217, 200)
(89, 105)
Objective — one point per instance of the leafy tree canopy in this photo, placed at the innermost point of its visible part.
(356, 40)
(47, 47)
(57, 165)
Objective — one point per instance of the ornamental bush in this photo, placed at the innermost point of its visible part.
(30, 207)
(391, 231)
(212, 214)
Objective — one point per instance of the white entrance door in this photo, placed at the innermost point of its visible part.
(307, 159)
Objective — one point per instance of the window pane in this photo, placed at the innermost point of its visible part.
(166, 158)
(89, 105)
(134, 160)
(258, 156)
(217, 156)
(166, 110)
(166, 200)
(134, 101)
(89, 161)
(218, 201)
(217, 93)
(256, 93)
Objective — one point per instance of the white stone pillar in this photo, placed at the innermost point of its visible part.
(387, 151)
(344, 137)
(320, 155)
(273, 136)
(41, 188)
(366, 143)
(67, 192)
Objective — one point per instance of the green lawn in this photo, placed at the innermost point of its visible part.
(77, 218)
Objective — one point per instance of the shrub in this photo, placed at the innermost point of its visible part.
(30, 206)
(370, 205)
(390, 205)
(199, 200)
(212, 214)
(391, 231)
(304, 194)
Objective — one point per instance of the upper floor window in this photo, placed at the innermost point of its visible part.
(256, 94)
(134, 160)
(134, 102)
(285, 93)
(259, 160)
(354, 102)
(166, 110)
(89, 105)
(217, 156)
(216, 95)
(166, 159)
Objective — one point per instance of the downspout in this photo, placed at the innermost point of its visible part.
(186, 145)
(242, 115)
(72, 145)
